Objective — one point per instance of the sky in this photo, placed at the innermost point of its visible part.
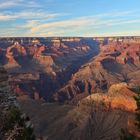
(85, 18)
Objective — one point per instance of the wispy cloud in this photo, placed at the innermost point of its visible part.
(5, 17)
(44, 23)
(75, 25)
(28, 15)
(9, 3)
(116, 13)
(36, 27)
(117, 33)
(122, 22)
(82, 21)
(4, 4)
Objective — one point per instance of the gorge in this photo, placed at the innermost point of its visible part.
(64, 80)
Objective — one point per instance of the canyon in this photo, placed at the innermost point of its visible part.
(118, 61)
(69, 80)
(39, 67)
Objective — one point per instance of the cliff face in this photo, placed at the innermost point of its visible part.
(63, 65)
(119, 96)
(39, 53)
(74, 71)
(11, 52)
(117, 61)
(124, 53)
(44, 62)
(108, 112)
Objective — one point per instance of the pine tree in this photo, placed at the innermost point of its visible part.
(15, 127)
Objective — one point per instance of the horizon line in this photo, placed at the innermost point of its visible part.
(68, 36)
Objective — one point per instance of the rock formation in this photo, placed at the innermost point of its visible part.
(107, 112)
(118, 61)
(59, 58)
(52, 58)
(119, 96)
(95, 74)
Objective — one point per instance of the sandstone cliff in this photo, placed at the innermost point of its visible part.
(117, 62)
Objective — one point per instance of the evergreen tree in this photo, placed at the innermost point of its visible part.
(15, 126)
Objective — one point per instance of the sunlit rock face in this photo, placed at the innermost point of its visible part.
(40, 66)
(119, 96)
(61, 69)
(118, 61)
(94, 74)
(125, 50)
(106, 112)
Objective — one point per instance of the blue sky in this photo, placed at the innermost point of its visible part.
(69, 17)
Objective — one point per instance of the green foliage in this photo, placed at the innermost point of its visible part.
(15, 126)
(10, 118)
(26, 134)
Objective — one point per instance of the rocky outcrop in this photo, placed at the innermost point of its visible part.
(83, 121)
(128, 52)
(13, 51)
(119, 96)
(118, 61)
(55, 58)
(43, 60)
